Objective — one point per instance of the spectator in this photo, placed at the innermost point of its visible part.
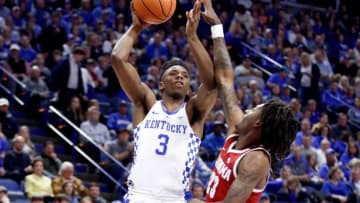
(3, 146)
(292, 191)
(94, 193)
(27, 53)
(197, 191)
(214, 141)
(156, 48)
(351, 153)
(16, 163)
(354, 113)
(298, 164)
(38, 91)
(37, 199)
(68, 78)
(321, 152)
(4, 193)
(331, 97)
(326, 71)
(37, 183)
(296, 107)
(50, 160)
(307, 147)
(280, 79)
(322, 133)
(74, 112)
(69, 190)
(305, 130)
(264, 198)
(244, 73)
(29, 146)
(15, 63)
(324, 120)
(120, 119)
(66, 174)
(330, 162)
(308, 76)
(315, 114)
(340, 127)
(335, 188)
(352, 184)
(251, 91)
(4, 10)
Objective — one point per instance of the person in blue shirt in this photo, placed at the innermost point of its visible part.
(354, 113)
(330, 162)
(331, 98)
(281, 79)
(335, 187)
(305, 129)
(315, 114)
(351, 153)
(298, 164)
(214, 141)
(120, 119)
(27, 53)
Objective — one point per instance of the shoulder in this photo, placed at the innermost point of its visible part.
(255, 163)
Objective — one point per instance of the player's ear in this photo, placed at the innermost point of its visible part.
(161, 86)
(257, 123)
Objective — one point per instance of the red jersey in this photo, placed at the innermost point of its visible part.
(225, 172)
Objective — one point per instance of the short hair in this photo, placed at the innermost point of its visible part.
(49, 142)
(36, 159)
(93, 184)
(333, 170)
(64, 166)
(171, 63)
(278, 128)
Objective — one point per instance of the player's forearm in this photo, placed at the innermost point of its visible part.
(223, 68)
(123, 46)
(203, 62)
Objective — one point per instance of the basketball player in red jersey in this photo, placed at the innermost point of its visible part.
(244, 163)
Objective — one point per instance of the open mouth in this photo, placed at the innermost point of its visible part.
(179, 84)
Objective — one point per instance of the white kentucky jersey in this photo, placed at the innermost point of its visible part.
(165, 150)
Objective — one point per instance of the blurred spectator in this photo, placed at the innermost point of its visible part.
(214, 141)
(4, 146)
(50, 160)
(321, 152)
(4, 51)
(244, 73)
(335, 188)
(27, 53)
(68, 78)
(296, 107)
(280, 79)
(38, 91)
(156, 47)
(86, 200)
(29, 146)
(351, 153)
(324, 120)
(354, 113)
(322, 133)
(69, 190)
(94, 193)
(37, 183)
(3, 192)
(16, 163)
(308, 76)
(315, 114)
(331, 97)
(340, 127)
(120, 119)
(4, 11)
(197, 191)
(326, 71)
(15, 63)
(62, 198)
(305, 130)
(292, 191)
(330, 162)
(37, 199)
(298, 164)
(74, 112)
(307, 147)
(264, 198)
(66, 174)
(97, 131)
(251, 91)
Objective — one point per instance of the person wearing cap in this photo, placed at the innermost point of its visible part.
(307, 77)
(69, 79)
(264, 198)
(15, 63)
(9, 126)
(245, 73)
(330, 162)
(122, 150)
(120, 119)
(214, 141)
(280, 79)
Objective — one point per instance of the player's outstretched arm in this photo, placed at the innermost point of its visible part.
(129, 79)
(202, 103)
(224, 73)
(253, 170)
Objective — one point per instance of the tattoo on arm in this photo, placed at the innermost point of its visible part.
(221, 55)
(229, 99)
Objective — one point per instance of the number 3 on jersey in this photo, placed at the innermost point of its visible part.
(164, 140)
(213, 183)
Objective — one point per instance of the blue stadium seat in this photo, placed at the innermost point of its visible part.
(38, 148)
(37, 131)
(81, 168)
(9, 184)
(59, 149)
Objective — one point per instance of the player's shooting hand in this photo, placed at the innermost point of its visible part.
(193, 18)
(209, 14)
(136, 21)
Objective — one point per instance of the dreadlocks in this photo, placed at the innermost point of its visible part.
(278, 128)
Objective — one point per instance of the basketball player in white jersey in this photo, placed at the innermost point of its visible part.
(242, 168)
(168, 132)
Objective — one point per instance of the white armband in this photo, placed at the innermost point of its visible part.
(217, 31)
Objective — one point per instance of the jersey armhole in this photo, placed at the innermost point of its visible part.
(242, 156)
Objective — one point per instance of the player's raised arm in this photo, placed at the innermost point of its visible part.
(202, 103)
(224, 73)
(129, 79)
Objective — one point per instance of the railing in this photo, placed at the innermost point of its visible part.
(83, 134)
(264, 56)
(349, 107)
(9, 90)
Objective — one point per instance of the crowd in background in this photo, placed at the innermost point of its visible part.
(61, 50)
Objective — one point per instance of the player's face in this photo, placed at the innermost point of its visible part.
(175, 81)
(251, 119)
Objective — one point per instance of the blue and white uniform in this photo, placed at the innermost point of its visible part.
(165, 150)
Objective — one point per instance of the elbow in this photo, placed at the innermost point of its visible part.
(117, 56)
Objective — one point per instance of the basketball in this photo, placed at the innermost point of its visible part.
(154, 11)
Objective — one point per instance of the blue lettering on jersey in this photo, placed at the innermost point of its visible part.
(164, 125)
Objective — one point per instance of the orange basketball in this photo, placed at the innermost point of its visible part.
(154, 11)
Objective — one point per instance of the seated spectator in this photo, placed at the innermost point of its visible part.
(351, 153)
(354, 113)
(68, 190)
(298, 164)
(324, 120)
(94, 193)
(4, 146)
(9, 126)
(62, 198)
(214, 141)
(331, 97)
(15, 63)
(244, 73)
(4, 195)
(292, 191)
(251, 91)
(264, 198)
(51, 162)
(257, 99)
(285, 94)
(37, 199)
(74, 112)
(120, 119)
(16, 163)
(340, 127)
(97, 131)
(296, 107)
(66, 174)
(321, 152)
(197, 191)
(307, 147)
(27, 53)
(38, 91)
(86, 200)
(29, 146)
(330, 162)
(315, 114)
(37, 183)
(305, 130)
(322, 133)
(280, 79)
(352, 184)
(334, 187)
